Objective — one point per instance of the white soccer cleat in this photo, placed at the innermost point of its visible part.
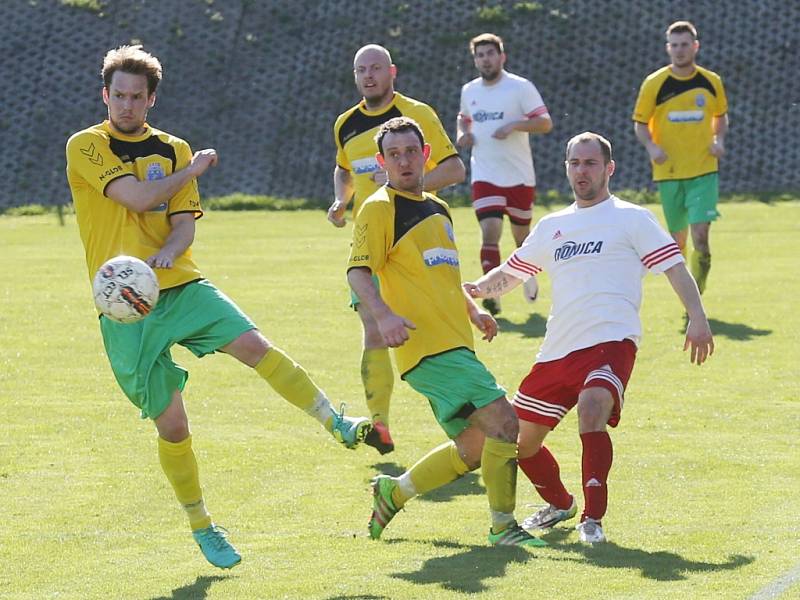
(591, 532)
(530, 289)
(546, 517)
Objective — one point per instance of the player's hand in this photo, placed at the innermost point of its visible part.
(485, 323)
(394, 329)
(380, 177)
(717, 148)
(657, 154)
(465, 141)
(202, 160)
(472, 290)
(336, 213)
(700, 340)
(503, 132)
(162, 260)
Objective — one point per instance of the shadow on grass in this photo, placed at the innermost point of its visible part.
(533, 327)
(736, 331)
(195, 591)
(660, 566)
(359, 597)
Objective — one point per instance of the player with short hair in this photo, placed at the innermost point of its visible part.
(681, 118)
(597, 251)
(357, 175)
(135, 193)
(405, 237)
(499, 112)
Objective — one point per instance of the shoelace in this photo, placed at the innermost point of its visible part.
(217, 536)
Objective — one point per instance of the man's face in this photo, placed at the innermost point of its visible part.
(489, 61)
(587, 174)
(404, 160)
(374, 75)
(128, 102)
(682, 48)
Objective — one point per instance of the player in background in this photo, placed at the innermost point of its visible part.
(499, 112)
(405, 237)
(681, 118)
(357, 175)
(597, 251)
(135, 193)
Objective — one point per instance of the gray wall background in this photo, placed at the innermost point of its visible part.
(263, 81)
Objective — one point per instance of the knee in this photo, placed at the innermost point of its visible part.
(173, 429)
(594, 410)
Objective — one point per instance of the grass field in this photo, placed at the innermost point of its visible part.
(704, 493)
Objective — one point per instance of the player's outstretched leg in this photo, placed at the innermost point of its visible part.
(213, 542)
(380, 438)
(350, 431)
(384, 508)
(550, 515)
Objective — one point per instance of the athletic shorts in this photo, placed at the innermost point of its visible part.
(491, 200)
(689, 201)
(551, 389)
(355, 300)
(455, 384)
(197, 316)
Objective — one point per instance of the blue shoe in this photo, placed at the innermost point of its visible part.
(214, 544)
(350, 431)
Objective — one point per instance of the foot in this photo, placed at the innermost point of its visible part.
(380, 438)
(546, 517)
(530, 289)
(591, 532)
(350, 431)
(492, 305)
(383, 508)
(514, 535)
(213, 542)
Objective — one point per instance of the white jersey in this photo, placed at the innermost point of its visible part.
(596, 258)
(506, 162)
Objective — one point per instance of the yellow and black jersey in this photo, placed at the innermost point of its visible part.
(408, 242)
(679, 111)
(97, 156)
(354, 134)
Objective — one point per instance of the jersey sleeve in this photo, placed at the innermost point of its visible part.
(371, 237)
(89, 156)
(341, 157)
(435, 135)
(655, 247)
(188, 197)
(464, 105)
(527, 260)
(722, 99)
(645, 103)
(531, 102)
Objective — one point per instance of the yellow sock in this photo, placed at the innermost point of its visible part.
(180, 467)
(437, 468)
(378, 378)
(499, 468)
(292, 382)
(700, 265)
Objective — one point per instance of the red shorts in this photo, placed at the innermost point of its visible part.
(491, 200)
(551, 389)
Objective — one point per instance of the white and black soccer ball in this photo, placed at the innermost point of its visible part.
(125, 289)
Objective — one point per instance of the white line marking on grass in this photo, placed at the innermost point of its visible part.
(779, 585)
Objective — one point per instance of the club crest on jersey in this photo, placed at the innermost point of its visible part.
(700, 100)
(440, 256)
(572, 249)
(485, 115)
(154, 171)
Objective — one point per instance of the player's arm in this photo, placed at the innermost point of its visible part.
(141, 196)
(493, 284)
(464, 135)
(656, 153)
(392, 326)
(479, 317)
(178, 241)
(698, 332)
(448, 172)
(719, 125)
(342, 193)
(540, 124)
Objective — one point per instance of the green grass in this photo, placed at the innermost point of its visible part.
(703, 494)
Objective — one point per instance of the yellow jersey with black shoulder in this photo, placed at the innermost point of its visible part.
(354, 133)
(96, 156)
(679, 112)
(408, 242)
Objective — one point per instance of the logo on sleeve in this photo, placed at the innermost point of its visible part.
(93, 155)
(360, 235)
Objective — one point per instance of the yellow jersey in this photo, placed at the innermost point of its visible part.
(97, 156)
(679, 111)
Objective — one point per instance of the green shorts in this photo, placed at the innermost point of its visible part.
(355, 300)
(455, 384)
(689, 201)
(197, 316)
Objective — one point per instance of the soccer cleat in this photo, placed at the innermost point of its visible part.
(380, 438)
(515, 535)
(350, 431)
(530, 289)
(383, 509)
(492, 305)
(546, 517)
(214, 544)
(590, 531)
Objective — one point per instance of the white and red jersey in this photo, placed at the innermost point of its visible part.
(507, 162)
(596, 258)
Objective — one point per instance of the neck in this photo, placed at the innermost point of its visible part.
(379, 103)
(416, 190)
(594, 201)
(685, 70)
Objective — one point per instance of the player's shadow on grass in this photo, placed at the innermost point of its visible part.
(195, 591)
(736, 331)
(661, 566)
(467, 570)
(467, 485)
(533, 327)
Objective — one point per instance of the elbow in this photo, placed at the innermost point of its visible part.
(547, 126)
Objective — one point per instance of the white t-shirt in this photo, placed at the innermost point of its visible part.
(506, 162)
(596, 258)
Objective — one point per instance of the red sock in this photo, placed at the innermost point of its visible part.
(490, 257)
(598, 454)
(542, 469)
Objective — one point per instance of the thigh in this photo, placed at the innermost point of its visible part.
(673, 202)
(608, 366)
(519, 206)
(488, 199)
(546, 394)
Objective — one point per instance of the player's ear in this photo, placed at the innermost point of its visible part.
(151, 100)
(610, 168)
(105, 95)
(393, 70)
(381, 161)
(426, 151)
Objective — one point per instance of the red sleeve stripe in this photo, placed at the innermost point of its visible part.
(465, 118)
(542, 110)
(660, 255)
(521, 265)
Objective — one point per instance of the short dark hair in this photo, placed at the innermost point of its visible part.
(398, 125)
(588, 136)
(133, 60)
(682, 27)
(486, 38)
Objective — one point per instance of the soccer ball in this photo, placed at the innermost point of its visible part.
(125, 289)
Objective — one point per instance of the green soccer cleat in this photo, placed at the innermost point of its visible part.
(214, 544)
(383, 508)
(350, 431)
(515, 536)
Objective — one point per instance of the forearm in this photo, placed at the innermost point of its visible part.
(179, 239)
(141, 196)
(720, 127)
(495, 283)
(360, 280)
(541, 124)
(463, 125)
(342, 185)
(448, 172)
(686, 289)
